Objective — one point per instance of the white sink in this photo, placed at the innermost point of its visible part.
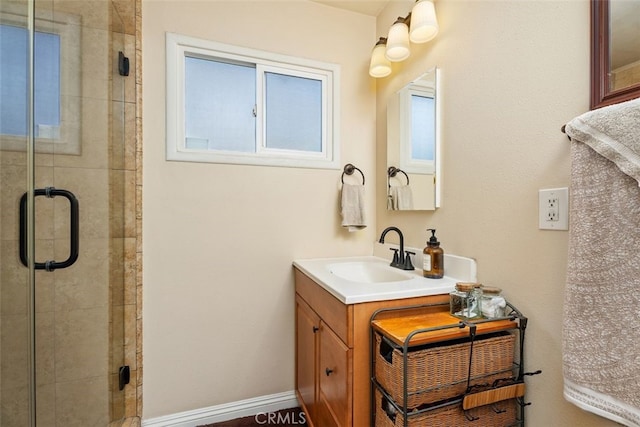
(368, 272)
(370, 278)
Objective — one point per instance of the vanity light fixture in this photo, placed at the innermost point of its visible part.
(420, 26)
(380, 66)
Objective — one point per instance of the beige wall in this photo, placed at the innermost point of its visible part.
(512, 74)
(219, 239)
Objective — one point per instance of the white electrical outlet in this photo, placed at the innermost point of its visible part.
(553, 209)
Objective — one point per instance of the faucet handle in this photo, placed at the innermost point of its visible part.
(408, 265)
(396, 257)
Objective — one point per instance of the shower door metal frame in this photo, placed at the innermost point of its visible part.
(30, 216)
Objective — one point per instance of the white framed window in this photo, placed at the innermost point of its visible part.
(57, 86)
(229, 104)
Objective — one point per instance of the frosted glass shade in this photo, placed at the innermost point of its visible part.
(398, 42)
(380, 66)
(424, 24)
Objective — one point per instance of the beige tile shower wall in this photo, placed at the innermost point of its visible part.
(82, 307)
(13, 319)
(134, 406)
(124, 160)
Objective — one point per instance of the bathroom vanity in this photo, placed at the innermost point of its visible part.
(335, 299)
(332, 353)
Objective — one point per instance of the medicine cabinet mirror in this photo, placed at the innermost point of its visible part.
(413, 145)
(615, 51)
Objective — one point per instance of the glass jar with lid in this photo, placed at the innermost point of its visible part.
(493, 303)
(465, 301)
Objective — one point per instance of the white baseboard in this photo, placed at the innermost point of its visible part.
(227, 411)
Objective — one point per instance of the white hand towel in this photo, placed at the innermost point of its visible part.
(401, 198)
(353, 217)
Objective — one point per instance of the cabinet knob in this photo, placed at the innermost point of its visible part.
(328, 371)
(315, 329)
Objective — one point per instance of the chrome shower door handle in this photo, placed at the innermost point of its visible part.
(51, 192)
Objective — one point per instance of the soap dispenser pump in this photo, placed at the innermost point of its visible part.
(433, 258)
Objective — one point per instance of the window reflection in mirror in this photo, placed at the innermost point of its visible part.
(624, 43)
(418, 132)
(413, 157)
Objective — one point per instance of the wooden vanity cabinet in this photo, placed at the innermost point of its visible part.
(332, 354)
(322, 370)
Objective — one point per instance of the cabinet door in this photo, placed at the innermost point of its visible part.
(335, 375)
(324, 417)
(307, 327)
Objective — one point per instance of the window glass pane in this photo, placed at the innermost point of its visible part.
(13, 80)
(219, 105)
(293, 113)
(47, 85)
(422, 127)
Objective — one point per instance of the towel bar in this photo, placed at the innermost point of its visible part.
(349, 169)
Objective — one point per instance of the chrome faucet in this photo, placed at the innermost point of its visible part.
(400, 260)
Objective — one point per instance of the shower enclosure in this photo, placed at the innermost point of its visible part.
(65, 223)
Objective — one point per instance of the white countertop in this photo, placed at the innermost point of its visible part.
(352, 292)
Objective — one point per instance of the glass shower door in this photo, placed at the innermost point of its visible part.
(61, 190)
(17, 395)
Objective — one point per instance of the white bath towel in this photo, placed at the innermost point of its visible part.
(401, 197)
(353, 212)
(601, 347)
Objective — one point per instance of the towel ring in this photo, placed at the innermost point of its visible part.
(349, 169)
(393, 171)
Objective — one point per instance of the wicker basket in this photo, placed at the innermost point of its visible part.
(440, 372)
(500, 414)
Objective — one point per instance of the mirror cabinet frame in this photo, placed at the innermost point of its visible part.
(600, 93)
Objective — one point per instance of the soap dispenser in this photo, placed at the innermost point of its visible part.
(433, 258)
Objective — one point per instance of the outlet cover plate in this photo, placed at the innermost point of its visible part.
(553, 209)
